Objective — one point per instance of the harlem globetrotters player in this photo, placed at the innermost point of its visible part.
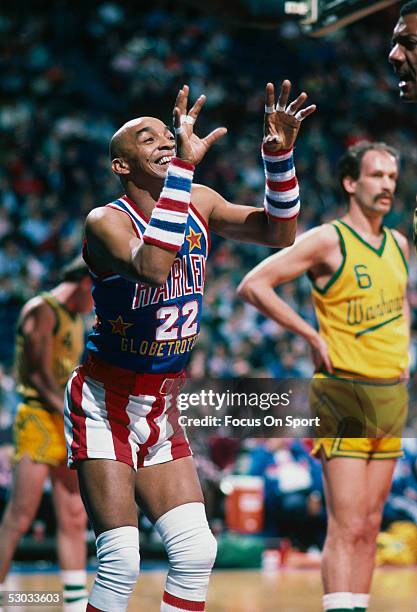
(147, 251)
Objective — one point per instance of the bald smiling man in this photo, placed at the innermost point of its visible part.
(147, 252)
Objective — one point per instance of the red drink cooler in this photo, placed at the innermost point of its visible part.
(245, 504)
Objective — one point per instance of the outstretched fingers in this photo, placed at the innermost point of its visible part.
(305, 112)
(182, 99)
(295, 107)
(178, 127)
(197, 106)
(177, 119)
(284, 95)
(269, 98)
(296, 104)
(214, 136)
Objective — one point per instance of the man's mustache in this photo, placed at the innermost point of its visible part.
(384, 194)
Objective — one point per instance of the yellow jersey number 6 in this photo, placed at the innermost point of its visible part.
(363, 279)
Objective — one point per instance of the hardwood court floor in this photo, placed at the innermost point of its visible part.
(394, 590)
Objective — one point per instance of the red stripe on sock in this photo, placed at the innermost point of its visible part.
(160, 243)
(185, 604)
(176, 205)
(272, 218)
(181, 163)
(282, 185)
(91, 608)
(279, 153)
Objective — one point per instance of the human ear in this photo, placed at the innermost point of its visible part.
(120, 166)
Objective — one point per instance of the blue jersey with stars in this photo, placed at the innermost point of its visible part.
(152, 329)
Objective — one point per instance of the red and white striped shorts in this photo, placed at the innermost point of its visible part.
(114, 413)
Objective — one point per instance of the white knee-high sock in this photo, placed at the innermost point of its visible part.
(337, 602)
(191, 549)
(74, 585)
(361, 601)
(118, 569)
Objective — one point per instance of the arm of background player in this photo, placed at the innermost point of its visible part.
(113, 245)
(37, 329)
(257, 287)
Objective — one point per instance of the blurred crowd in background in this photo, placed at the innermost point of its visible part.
(71, 77)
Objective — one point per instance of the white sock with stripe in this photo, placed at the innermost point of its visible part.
(361, 601)
(74, 585)
(166, 227)
(338, 602)
(118, 569)
(191, 549)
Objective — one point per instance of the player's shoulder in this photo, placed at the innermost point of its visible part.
(201, 193)
(38, 302)
(103, 216)
(204, 199)
(99, 213)
(40, 309)
(402, 242)
(324, 236)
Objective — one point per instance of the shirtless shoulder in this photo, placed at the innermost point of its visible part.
(204, 200)
(329, 253)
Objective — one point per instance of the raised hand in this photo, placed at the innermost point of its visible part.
(282, 121)
(189, 146)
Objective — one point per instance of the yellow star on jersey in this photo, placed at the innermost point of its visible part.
(119, 326)
(194, 239)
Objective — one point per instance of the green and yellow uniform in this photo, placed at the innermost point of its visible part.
(362, 318)
(39, 431)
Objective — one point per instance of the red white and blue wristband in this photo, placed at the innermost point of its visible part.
(282, 195)
(166, 227)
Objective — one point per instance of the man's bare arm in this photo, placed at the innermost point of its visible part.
(257, 288)
(242, 223)
(37, 328)
(114, 246)
(276, 224)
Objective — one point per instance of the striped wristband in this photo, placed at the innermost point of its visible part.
(166, 227)
(282, 196)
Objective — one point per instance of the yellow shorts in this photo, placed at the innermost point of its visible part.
(39, 434)
(359, 448)
(358, 419)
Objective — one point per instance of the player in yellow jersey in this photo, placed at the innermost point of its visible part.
(359, 274)
(49, 345)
